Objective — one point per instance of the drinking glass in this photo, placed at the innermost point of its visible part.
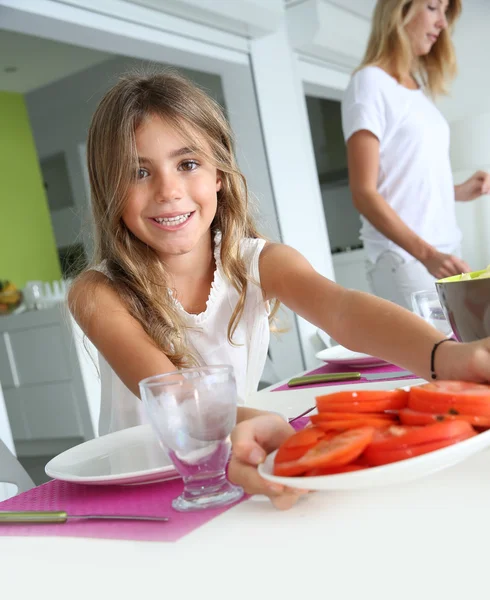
(426, 304)
(192, 412)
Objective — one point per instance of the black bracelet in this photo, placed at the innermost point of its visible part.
(433, 354)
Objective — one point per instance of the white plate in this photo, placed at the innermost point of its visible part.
(399, 472)
(338, 355)
(127, 457)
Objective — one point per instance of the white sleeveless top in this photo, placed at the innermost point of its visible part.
(120, 408)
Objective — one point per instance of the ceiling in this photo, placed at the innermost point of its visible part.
(364, 8)
(39, 62)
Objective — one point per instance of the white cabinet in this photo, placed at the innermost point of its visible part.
(350, 270)
(44, 381)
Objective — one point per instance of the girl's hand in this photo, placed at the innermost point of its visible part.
(464, 362)
(474, 187)
(251, 441)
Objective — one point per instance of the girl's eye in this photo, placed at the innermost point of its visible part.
(188, 165)
(142, 173)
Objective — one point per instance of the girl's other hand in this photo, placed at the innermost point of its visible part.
(251, 441)
(464, 362)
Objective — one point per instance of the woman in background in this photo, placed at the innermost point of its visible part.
(398, 149)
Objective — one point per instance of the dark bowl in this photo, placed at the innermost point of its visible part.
(466, 305)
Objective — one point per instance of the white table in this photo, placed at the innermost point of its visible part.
(426, 539)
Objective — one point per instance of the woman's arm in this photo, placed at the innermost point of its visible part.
(363, 161)
(366, 323)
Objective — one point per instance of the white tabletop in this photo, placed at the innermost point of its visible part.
(426, 539)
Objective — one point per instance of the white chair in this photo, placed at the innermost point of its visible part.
(13, 477)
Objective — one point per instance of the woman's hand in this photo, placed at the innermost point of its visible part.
(442, 265)
(251, 441)
(474, 187)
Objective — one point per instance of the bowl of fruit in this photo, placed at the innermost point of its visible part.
(10, 297)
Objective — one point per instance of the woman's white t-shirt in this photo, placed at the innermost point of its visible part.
(415, 175)
(120, 408)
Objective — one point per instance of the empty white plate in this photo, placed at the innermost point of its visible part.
(399, 472)
(127, 457)
(338, 355)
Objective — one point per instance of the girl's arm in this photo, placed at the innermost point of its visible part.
(366, 323)
(363, 161)
(119, 337)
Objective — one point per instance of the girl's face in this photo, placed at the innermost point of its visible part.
(173, 199)
(424, 28)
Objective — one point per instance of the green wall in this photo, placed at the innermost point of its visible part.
(27, 243)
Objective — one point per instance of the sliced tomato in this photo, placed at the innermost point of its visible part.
(308, 437)
(376, 457)
(413, 417)
(401, 437)
(361, 421)
(363, 401)
(289, 454)
(374, 406)
(343, 416)
(458, 397)
(337, 451)
(335, 470)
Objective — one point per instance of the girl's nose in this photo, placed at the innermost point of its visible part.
(169, 189)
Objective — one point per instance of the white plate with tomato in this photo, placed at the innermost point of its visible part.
(373, 438)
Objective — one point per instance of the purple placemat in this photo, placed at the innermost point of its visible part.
(387, 368)
(151, 499)
(298, 424)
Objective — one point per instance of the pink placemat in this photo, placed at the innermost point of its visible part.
(388, 368)
(151, 499)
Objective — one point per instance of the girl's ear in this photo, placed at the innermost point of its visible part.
(218, 181)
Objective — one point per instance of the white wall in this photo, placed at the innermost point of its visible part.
(470, 91)
(466, 109)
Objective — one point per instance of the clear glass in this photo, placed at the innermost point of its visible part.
(426, 304)
(193, 412)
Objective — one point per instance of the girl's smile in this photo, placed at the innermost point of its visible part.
(174, 221)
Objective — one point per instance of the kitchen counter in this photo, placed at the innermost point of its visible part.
(49, 382)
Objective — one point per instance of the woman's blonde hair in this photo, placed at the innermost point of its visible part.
(135, 271)
(389, 44)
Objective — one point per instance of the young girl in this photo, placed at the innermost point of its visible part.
(398, 149)
(181, 276)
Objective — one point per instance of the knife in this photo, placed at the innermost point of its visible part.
(61, 516)
(329, 377)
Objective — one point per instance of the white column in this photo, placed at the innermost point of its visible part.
(242, 112)
(291, 160)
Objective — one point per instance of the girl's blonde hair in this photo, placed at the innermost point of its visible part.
(135, 271)
(389, 44)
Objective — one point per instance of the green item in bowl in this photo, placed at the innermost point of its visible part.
(485, 274)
